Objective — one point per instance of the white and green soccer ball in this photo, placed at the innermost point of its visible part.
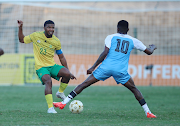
(76, 106)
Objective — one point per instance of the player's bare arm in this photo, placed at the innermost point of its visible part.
(1, 51)
(63, 60)
(150, 50)
(64, 63)
(99, 60)
(20, 33)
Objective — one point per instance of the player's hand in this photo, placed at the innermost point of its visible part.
(90, 70)
(72, 77)
(153, 46)
(20, 23)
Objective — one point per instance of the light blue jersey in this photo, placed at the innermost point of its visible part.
(116, 62)
(120, 47)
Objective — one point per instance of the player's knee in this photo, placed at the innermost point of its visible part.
(67, 75)
(48, 82)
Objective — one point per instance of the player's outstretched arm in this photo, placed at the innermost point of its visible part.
(99, 60)
(150, 50)
(1, 51)
(20, 33)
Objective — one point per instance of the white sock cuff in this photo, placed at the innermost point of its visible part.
(70, 96)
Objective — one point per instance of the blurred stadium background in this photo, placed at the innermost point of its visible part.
(82, 27)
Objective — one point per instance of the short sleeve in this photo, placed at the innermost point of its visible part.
(108, 41)
(138, 45)
(29, 38)
(58, 52)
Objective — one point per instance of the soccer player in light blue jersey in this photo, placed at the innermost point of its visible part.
(115, 59)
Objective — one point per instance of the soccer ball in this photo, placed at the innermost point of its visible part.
(76, 106)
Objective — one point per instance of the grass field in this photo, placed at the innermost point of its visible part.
(103, 106)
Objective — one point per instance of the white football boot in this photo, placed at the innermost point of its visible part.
(60, 95)
(51, 110)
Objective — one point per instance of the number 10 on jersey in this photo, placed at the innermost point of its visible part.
(124, 46)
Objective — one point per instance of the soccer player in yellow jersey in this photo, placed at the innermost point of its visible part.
(44, 46)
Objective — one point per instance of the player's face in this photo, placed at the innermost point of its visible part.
(49, 30)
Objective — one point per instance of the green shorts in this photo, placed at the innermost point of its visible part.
(51, 70)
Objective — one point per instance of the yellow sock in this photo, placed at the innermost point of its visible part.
(62, 87)
(49, 100)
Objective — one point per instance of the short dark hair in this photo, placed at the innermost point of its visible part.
(48, 22)
(123, 26)
(123, 23)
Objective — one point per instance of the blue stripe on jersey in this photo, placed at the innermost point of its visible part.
(59, 51)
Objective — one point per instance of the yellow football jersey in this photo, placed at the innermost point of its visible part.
(43, 48)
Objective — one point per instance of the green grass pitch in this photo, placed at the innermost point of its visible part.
(103, 106)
